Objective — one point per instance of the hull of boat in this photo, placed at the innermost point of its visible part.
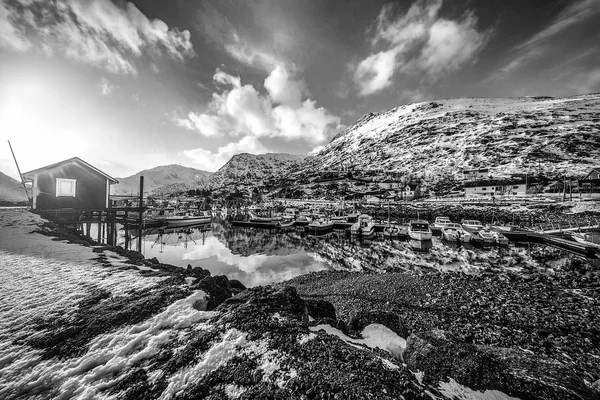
(185, 221)
(320, 228)
(420, 235)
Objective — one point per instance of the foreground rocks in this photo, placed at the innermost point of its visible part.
(533, 336)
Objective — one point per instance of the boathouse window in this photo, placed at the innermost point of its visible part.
(515, 187)
(65, 187)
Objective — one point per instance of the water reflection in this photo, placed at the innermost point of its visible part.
(259, 256)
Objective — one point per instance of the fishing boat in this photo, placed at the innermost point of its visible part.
(472, 225)
(455, 233)
(392, 230)
(589, 238)
(499, 238)
(440, 222)
(187, 218)
(419, 230)
(320, 225)
(286, 224)
(258, 219)
(364, 226)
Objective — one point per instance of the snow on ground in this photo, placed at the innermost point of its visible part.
(456, 391)
(374, 336)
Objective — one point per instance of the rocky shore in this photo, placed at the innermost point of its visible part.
(325, 335)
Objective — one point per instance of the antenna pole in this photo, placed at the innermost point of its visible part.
(18, 169)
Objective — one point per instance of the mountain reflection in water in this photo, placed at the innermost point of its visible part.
(261, 256)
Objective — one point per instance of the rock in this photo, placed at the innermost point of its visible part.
(514, 372)
(222, 281)
(236, 285)
(319, 309)
(217, 294)
(596, 387)
(153, 260)
(199, 272)
(363, 318)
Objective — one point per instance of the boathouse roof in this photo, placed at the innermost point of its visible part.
(30, 174)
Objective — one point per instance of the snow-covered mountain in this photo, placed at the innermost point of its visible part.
(11, 190)
(163, 179)
(255, 168)
(516, 135)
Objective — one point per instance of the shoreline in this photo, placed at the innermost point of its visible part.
(549, 325)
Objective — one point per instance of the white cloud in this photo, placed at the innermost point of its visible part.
(11, 37)
(419, 42)
(95, 32)
(240, 110)
(106, 87)
(209, 161)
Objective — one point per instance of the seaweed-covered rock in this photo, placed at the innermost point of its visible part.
(514, 372)
(217, 294)
(319, 309)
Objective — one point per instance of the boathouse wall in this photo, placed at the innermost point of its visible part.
(91, 189)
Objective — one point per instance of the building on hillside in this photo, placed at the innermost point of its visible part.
(495, 187)
(591, 182)
(476, 174)
(371, 199)
(71, 183)
(410, 192)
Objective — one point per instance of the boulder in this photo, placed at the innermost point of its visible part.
(517, 373)
(236, 286)
(361, 319)
(319, 309)
(217, 294)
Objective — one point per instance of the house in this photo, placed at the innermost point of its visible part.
(410, 192)
(372, 199)
(477, 173)
(71, 183)
(591, 182)
(495, 187)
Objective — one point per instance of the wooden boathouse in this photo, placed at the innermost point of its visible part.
(71, 183)
(75, 193)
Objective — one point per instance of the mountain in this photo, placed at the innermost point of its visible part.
(255, 169)
(11, 190)
(163, 180)
(428, 139)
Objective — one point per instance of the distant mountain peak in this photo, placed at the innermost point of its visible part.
(163, 179)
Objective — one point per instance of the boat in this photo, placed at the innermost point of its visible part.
(286, 224)
(486, 236)
(455, 233)
(188, 218)
(588, 238)
(320, 225)
(440, 222)
(472, 225)
(419, 230)
(393, 231)
(499, 238)
(364, 226)
(257, 218)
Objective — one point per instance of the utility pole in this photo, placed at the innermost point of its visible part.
(19, 170)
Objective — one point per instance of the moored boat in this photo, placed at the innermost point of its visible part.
(419, 230)
(320, 225)
(486, 236)
(472, 225)
(189, 218)
(455, 233)
(364, 226)
(440, 222)
(393, 231)
(588, 238)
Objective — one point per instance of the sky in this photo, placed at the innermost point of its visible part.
(130, 85)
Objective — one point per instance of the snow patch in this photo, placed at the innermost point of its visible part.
(234, 391)
(302, 339)
(374, 336)
(456, 391)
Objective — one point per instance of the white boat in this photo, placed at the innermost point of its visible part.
(499, 238)
(257, 218)
(486, 236)
(320, 225)
(419, 230)
(589, 238)
(364, 226)
(440, 222)
(472, 225)
(455, 233)
(188, 218)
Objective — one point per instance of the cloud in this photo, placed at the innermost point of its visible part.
(96, 32)
(240, 110)
(209, 161)
(106, 87)
(418, 42)
(542, 42)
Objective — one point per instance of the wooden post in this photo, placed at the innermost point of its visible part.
(141, 212)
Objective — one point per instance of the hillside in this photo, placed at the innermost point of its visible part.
(163, 180)
(255, 169)
(11, 190)
(430, 139)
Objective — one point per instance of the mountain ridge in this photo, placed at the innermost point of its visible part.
(163, 179)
